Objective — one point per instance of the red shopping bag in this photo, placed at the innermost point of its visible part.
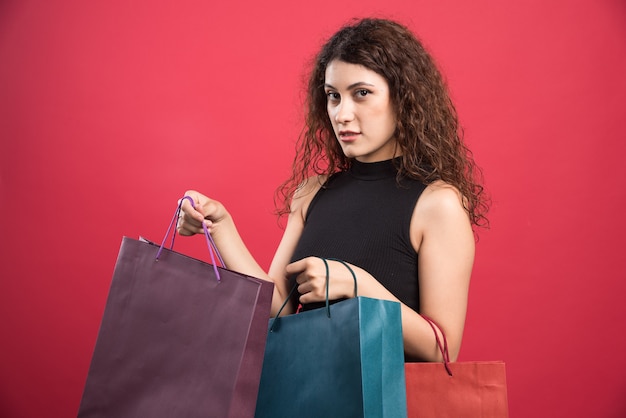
(456, 389)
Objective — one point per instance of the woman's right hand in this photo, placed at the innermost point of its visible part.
(204, 209)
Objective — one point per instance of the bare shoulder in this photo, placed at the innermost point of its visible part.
(305, 193)
(440, 198)
(439, 209)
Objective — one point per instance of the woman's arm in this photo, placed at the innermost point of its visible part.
(233, 250)
(442, 236)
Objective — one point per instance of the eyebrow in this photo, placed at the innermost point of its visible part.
(351, 86)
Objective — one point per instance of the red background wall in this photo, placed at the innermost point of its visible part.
(109, 111)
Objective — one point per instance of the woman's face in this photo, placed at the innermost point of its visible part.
(360, 111)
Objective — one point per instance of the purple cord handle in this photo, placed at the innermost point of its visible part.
(209, 240)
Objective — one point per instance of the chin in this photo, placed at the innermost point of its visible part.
(349, 154)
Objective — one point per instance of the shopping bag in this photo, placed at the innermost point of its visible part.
(456, 389)
(179, 338)
(343, 360)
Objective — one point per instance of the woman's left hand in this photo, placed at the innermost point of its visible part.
(311, 279)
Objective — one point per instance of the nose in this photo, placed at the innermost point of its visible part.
(344, 111)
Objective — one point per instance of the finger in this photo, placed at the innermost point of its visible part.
(187, 219)
(304, 288)
(192, 212)
(303, 299)
(303, 278)
(311, 296)
(188, 223)
(188, 228)
(296, 267)
(185, 232)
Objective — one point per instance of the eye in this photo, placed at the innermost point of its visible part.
(362, 92)
(332, 96)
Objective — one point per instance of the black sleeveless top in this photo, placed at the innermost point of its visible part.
(363, 216)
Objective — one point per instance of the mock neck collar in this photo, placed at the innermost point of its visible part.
(374, 171)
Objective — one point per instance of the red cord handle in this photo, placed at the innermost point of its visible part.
(442, 347)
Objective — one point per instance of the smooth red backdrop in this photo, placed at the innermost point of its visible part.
(109, 111)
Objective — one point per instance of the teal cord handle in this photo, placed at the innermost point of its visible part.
(295, 286)
(327, 285)
(351, 272)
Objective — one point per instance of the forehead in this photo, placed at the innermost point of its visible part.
(342, 74)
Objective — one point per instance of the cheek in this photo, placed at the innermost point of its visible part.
(331, 117)
(384, 118)
(391, 120)
(332, 125)
(329, 112)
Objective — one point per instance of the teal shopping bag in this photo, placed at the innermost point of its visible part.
(344, 360)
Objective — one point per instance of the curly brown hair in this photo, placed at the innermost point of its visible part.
(427, 132)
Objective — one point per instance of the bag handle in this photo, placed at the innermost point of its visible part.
(295, 286)
(443, 348)
(209, 240)
(351, 272)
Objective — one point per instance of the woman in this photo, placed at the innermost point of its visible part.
(381, 180)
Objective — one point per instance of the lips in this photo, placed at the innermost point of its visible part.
(348, 136)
